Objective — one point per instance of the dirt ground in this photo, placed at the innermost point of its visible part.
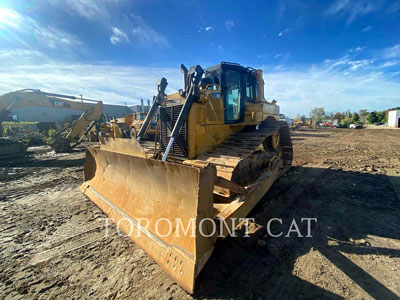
(53, 241)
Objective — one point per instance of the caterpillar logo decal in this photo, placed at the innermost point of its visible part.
(59, 103)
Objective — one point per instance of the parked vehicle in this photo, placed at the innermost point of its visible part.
(327, 124)
(357, 125)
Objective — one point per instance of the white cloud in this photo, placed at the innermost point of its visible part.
(115, 40)
(21, 69)
(89, 9)
(368, 28)
(297, 90)
(22, 57)
(392, 52)
(336, 84)
(208, 28)
(118, 36)
(347, 64)
(357, 49)
(353, 9)
(358, 64)
(55, 38)
(391, 63)
(23, 31)
(278, 55)
(112, 13)
(283, 32)
(229, 24)
(9, 17)
(146, 35)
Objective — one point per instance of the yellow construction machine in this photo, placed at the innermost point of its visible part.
(137, 122)
(220, 148)
(129, 126)
(92, 112)
(301, 121)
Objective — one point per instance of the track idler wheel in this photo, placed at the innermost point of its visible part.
(133, 133)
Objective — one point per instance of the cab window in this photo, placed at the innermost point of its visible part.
(250, 83)
(233, 99)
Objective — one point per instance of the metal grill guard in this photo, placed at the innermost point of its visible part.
(169, 116)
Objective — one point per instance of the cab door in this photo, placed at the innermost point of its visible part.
(234, 100)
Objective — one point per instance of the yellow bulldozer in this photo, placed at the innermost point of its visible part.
(301, 121)
(64, 139)
(220, 148)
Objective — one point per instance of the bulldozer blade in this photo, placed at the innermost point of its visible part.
(127, 146)
(159, 205)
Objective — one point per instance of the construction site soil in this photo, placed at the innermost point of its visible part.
(54, 242)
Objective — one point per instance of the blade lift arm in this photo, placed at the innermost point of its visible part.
(192, 93)
(161, 85)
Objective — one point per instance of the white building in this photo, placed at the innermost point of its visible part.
(394, 118)
(141, 107)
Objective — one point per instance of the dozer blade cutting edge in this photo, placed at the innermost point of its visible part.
(165, 207)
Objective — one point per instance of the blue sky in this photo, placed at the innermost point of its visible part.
(339, 54)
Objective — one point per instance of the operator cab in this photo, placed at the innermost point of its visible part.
(238, 86)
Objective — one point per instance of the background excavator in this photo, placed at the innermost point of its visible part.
(219, 148)
(63, 142)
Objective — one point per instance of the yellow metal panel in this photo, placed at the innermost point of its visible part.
(214, 107)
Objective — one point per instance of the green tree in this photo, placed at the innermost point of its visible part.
(329, 116)
(317, 114)
(338, 116)
(380, 115)
(349, 114)
(363, 115)
(355, 118)
(347, 118)
(372, 117)
(386, 117)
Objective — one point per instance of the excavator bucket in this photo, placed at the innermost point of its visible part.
(160, 205)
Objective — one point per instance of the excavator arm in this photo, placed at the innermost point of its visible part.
(92, 111)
